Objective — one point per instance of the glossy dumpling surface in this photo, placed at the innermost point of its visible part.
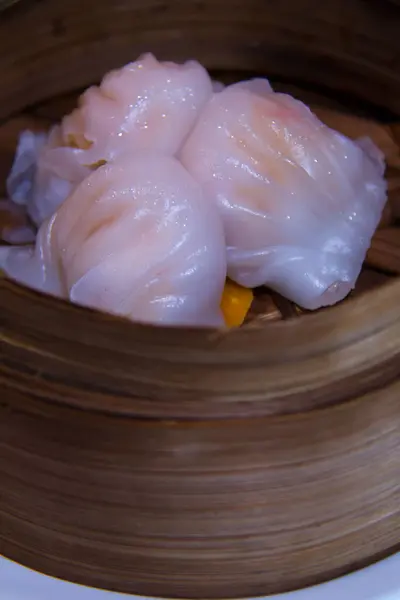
(145, 105)
(299, 201)
(136, 238)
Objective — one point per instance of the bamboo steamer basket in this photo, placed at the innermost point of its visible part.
(188, 463)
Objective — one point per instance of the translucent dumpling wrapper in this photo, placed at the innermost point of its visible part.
(136, 238)
(146, 105)
(299, 201)
(217, 86)
(44, 173)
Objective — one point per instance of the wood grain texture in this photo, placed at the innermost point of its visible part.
(385, 250)
(204, 509)
(203, 464)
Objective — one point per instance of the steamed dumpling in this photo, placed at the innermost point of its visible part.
(299, 201)
(44, 173)
(146, 105)
(136, 238)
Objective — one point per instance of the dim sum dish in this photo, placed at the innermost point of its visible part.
(279, 197)
(199, 293)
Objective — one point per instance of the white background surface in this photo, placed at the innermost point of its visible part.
(379, 582)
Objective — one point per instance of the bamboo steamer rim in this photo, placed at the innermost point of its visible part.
(192, 463)
(352, 341)
(363, 317)
(296, 365)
